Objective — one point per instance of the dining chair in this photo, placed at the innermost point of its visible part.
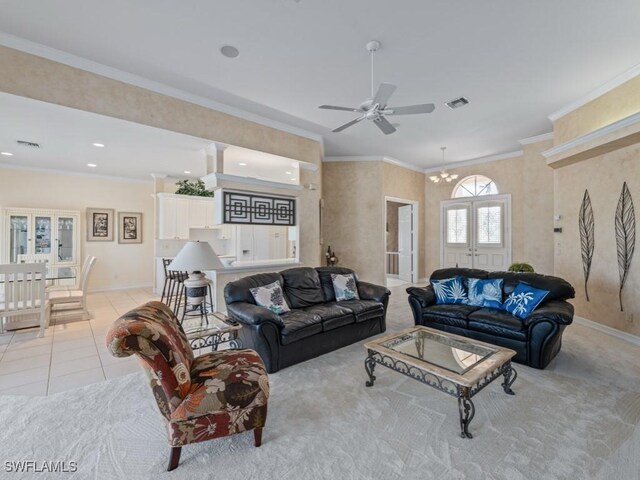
(22, 293)
(201, 398)
(72, 302)
(80, 278)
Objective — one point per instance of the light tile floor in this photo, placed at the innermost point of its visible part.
(71, 354)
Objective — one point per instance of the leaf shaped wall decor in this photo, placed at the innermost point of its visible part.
(586, 226)
(625, 235)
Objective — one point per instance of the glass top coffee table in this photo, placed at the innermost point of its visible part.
(212, 330)
(453, 364)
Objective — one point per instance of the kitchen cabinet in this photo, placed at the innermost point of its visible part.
(178, 213)
(261, 242)
(200, 212)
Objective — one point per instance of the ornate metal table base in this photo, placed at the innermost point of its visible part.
(214, 340)
(466, 408)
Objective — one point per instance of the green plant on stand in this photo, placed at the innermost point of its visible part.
(521, 268)
(194, 188)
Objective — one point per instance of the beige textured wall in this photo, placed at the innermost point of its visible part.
(614, 105)
(603, 176)
(530, 182)
(36, 77)
(353, 216)
(118, 265)
(408, 184)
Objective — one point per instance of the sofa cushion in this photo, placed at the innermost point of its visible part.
(523, 300)
(558, 288)
(498, 323)
(238, 291)
(344, 286)
(332, 315)
(485, 293)
(443, 273)
(271, 297)
(302, 287)
(325, 280)
(299, 325)
(453, 314)
(450, 290)
(363, 309)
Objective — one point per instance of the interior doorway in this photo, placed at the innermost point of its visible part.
(476, 232)
(401, 240)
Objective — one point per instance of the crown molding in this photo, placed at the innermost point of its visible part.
(594, 135)
(9, 166)
(476, 161)
(597, 92)
(538, 138)
(375, 158)
(33, 48)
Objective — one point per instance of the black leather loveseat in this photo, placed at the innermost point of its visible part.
(536, 339)
(316, 324)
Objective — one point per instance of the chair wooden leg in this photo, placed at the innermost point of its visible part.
(175, 458)
(257, 437)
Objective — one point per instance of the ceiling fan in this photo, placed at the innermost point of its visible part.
(375, 108)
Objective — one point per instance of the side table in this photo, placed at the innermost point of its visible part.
(211, 331)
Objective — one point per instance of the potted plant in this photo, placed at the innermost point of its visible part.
(194, 188)
(521, 268)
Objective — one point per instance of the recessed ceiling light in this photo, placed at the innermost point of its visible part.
(293, 179)
(92, 165)
(229, 51)
(8, 154)
(187, 172)
(242, 164)
(287, 173)
(98, 145)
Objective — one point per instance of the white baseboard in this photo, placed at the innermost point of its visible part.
(115, 289)
(614, 332)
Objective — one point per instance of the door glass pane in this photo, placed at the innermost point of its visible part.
(490, 225)
(43, 235)
(457, 225)
(18, 242)
(64, 250)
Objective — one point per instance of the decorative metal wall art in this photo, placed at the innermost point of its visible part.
(625, 235)
(586, 226)
(250, 209)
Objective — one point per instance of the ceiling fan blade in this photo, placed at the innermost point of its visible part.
(384, 125)
(346, 109)
(411, 109)
(385, 90)
(348, 124)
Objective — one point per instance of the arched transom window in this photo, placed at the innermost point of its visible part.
(475, 186)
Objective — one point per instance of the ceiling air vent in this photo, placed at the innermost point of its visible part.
(457, 103)
(22, 143)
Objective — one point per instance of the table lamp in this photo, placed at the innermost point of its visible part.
(195, 257)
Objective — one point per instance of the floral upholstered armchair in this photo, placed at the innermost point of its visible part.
(201, 398)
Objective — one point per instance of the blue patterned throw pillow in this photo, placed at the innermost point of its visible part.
(523, 300)
(450, 290)
(344, 287)
(485, 293)
(271, 297)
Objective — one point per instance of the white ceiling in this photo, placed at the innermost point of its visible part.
(516, 60)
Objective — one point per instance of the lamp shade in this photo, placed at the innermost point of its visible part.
(196, 257)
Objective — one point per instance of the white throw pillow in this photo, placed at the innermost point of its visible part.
(345, 287)
(271, 297)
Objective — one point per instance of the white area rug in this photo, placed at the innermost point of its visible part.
(576, 420)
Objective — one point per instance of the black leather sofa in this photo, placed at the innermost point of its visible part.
(316, 324)
(536, 339)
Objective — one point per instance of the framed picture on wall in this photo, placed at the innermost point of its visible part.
(129, 227)
(100, 224)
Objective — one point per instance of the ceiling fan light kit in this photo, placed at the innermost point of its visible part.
(375, 108)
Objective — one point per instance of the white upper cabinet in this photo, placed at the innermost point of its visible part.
(178, 213)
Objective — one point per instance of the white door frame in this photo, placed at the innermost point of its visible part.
(414, 226)
(507, 215)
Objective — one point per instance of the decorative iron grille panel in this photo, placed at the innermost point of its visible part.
(245, 208)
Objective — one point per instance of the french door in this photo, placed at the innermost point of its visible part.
(476, 232)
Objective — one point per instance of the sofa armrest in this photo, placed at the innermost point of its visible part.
(557, 311)
(250, 314)
(369, 291)
(425, 295)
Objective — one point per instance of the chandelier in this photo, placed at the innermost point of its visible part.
(443, 176)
